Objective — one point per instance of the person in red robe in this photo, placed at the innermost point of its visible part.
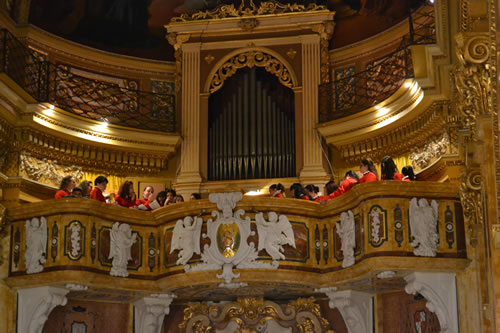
(368, 171)
(68, 183)
(298, 192)
(389, 169)
(277, 191)
(408, 174)
(100, 184)
(126, 195)
(147, 197)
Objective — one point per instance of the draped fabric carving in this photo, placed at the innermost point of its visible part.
(251, 128)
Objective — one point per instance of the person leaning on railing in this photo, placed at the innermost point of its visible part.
(126, 195)
(389, 169)
(68, 183)
(147, 198)
(277, 191)
(408, 174)
(100, 183)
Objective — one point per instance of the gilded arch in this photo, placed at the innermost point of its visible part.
(271, 61)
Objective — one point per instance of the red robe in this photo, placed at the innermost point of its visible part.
(144, 202)
(124, 202)
(96, 194)
(368, 177)
(61, 194)
(397, 176)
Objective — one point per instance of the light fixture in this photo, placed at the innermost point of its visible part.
(253, 193)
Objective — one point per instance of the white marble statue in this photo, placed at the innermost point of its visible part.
(186, 238)
(345, 229)
(75, 240)
(274, 233)
(423, 223)
(36, 244)
(122, 240)
(375, 225)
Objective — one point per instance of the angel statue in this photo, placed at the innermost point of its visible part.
(346, 231)
(423, 224)
(36, 244)
(274, 234)
(122, 240)
(186, 238)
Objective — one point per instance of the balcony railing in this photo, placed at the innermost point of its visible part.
(351, 92)
(99, 100)
(375, 227)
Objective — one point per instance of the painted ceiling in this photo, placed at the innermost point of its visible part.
(135, 27)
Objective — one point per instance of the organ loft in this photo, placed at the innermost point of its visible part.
(249, 166)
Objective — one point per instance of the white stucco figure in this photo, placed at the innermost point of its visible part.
(36, 244)
(186, 238)
(345, 229)
(274, 233)
(122, 240)
(423, 222)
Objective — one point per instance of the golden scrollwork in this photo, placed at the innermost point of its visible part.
(176, 40)
(471, 199)
(325, 32)
(251, 59)
(254, 314)
(230, 11)
(473, 77)
(3, 229)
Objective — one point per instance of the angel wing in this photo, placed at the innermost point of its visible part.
(262, 229)
(177, 236)
(285, 227)
(198, 222)
(114, 240)
(413, 212)
(435, 209)
(43, 231)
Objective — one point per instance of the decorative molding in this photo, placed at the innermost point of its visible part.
(122, 240)
(149, 312)
(254, 314)
(423, 220)
(386, 275)
(355, 307)
(422, 156)
(245, 10)
(36, 245)
(250, 59)
(471, 199)
(76, 287)
(439, 289)
(35, 305)
(46, 170)
(345, 229)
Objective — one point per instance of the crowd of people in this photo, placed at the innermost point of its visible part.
(125, 197)
(367, 173)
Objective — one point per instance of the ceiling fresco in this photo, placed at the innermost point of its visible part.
(136, 27)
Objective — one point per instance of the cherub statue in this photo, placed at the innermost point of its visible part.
(423, 222)
(274, 234)
(122, 240)
(186, 238)
(36, 244)
(345, 229)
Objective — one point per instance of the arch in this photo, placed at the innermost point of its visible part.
(270, 60)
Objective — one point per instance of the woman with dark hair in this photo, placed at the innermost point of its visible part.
(126, 195)
(277, 190)
(179, 199)
(389, 169)
(369, 171)
(350, 179)
(331, 188)
(408, 174)
(86, 187)
(312, 192)
(298, 192)
(68, 183)
(195, 196)
(170, 197)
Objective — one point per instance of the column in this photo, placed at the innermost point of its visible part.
(313, 170)
(189, 178)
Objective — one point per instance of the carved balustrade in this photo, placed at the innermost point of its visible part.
(232, 241)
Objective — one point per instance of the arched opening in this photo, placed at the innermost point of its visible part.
(251, 128)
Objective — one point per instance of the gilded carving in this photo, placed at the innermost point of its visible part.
(248, 24)
(254, 314)
(176, 40)
(266, 8)
(325, 32)
(46, 170)
(473, 77)
(422, 156)
(3, 229)
(251, 59)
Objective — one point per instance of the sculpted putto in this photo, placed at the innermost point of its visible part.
(345, 229)
(36, 242)
(423, 222)
(122, 240)
(186, 238)
(274, 234)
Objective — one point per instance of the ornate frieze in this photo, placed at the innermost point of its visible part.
(422, 156)
(243, 10)
(46, 170)
(254, 314)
